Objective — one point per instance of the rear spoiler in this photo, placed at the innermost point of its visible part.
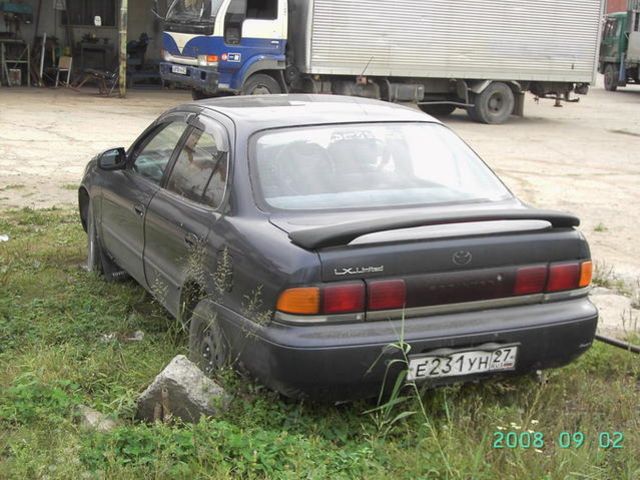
(343, 233)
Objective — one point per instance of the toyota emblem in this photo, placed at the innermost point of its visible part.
(462, 258)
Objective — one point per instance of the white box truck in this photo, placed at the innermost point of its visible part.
(480, 55)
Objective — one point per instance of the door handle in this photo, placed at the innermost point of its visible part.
(191, 239)
(139, 209)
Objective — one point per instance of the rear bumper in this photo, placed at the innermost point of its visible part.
(348, 361)
(204, 79)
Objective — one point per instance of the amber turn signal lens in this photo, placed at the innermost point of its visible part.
(586, 273)
(301, 301)
(212, 58)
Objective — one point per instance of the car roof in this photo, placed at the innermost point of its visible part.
(258, 112)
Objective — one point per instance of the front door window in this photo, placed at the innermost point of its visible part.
(152, 156)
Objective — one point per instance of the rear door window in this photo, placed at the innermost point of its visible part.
(200, 172)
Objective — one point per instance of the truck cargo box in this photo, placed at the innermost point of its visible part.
(526, 40)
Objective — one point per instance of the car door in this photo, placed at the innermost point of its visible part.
(182, 213)
(129, 191)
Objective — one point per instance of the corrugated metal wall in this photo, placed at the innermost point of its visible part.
(510, 39)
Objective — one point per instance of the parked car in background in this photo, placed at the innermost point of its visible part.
(299, 236)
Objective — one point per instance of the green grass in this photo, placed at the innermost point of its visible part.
(53, 315)
(69, 186)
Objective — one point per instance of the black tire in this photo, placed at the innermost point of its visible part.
(494, 105)
(442, 110)
(199, 94)
(261, 84)
(611, 74)
(208, 347)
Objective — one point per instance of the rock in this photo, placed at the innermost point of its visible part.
(4, 238)
(181, 390)
(93, 420)
(136, 336)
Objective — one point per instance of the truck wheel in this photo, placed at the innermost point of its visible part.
(494, 105)
(208, 347)
(261, 84)
(611, 75)
(198, 94)
(437, 110)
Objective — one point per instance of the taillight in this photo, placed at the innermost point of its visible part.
(300, 301)
(530, 280)
(563, 276)
(343, 298)
(386, 294)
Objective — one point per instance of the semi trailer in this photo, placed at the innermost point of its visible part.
(479, 55)
(620, 48)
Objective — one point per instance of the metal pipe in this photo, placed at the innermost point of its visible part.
(123, 48)
(618, 343)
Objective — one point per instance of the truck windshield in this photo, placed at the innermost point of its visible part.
(369, 166)
(186, 11)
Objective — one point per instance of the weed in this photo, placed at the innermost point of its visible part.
(604, 275)
(600, 228)
(13, 186)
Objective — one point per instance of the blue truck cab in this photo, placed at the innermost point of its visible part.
(219, 47)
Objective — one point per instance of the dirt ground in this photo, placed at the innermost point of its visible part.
(583, 158)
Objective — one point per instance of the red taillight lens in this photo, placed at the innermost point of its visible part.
(530, 280)
(343, 298)
(563, 276)
(386, 295)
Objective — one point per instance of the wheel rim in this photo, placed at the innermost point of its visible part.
(496, 103)
(261, 90)
(210, 354)
(91, 247)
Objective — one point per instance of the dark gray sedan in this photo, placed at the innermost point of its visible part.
(299, 237)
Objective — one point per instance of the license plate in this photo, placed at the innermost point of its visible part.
(454, 363)
(178, 69)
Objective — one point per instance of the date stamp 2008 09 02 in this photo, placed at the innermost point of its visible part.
(537, 440)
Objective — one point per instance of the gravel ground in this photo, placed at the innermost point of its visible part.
(583, 158)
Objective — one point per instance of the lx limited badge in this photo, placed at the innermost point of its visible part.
(340, 272)
(462, 258)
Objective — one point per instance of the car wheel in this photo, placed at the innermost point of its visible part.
(494, 105)
(261, 84)
(438, 110)
(611, 75)
(94, 260)
(97, 260)
(208, 347)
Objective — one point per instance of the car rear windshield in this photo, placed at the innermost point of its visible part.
(359, 166)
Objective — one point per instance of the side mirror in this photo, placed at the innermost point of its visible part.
(114, 159)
